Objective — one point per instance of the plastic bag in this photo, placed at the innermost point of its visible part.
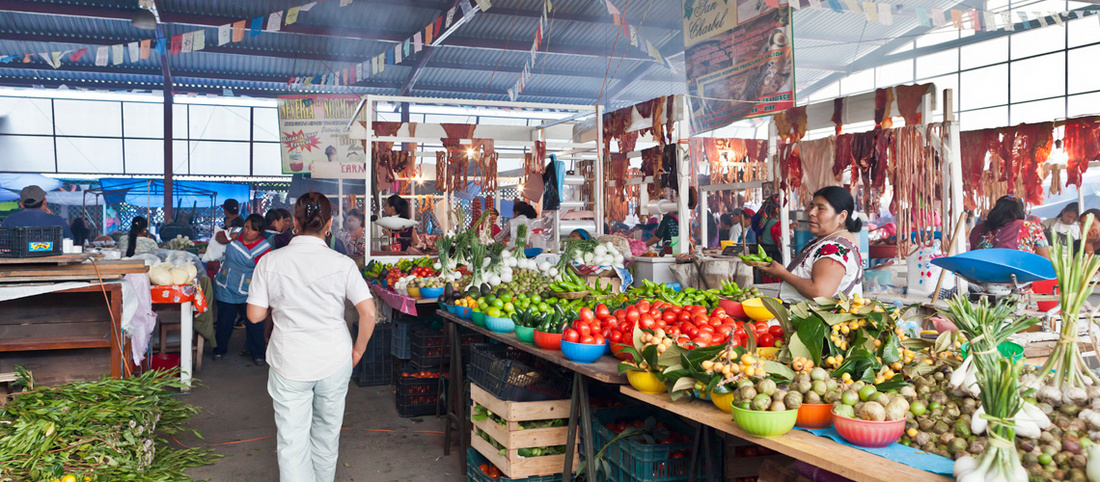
(551, 193)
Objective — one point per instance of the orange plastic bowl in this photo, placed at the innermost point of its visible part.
(815, 415)
(865, 433)
(548, 341)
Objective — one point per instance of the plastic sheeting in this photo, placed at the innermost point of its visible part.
(150, 192)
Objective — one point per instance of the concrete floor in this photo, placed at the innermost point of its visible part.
(237, 419)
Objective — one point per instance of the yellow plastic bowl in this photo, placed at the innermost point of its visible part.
(755, 309)
(723, 401)
(414, 292)
(645, 382)
(767, 353)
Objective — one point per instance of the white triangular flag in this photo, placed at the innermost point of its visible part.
(307, 7)
(116, 54)
(1007, 22)
(274, 22)
(344, 3)
(885, 13)
(101, 56)
(199, 42)
(188, 42)
(450, 18)
(135, 51)
(224, 33)
(990, 20)
(1057, 17)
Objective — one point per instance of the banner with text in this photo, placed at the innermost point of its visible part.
(739, 59)
(313, 130)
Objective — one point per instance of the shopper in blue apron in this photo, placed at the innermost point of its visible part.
(231, 288)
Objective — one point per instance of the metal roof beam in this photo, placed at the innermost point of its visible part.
(508, 12)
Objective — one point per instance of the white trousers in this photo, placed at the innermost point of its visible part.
(308, 416)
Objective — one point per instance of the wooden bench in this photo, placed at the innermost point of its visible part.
(64, 336)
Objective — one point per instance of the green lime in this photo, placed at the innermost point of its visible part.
(536, 299)
(498, 303)
(917, 408)
(868, 392)
(494, 312)
(934, 406)
(849, 397)
(1045, 459)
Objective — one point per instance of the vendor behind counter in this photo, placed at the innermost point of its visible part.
(35, 213)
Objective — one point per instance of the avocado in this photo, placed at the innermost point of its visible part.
(485, 291)
(448, 290)
(473, 293)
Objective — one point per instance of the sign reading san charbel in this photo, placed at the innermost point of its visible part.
(740, 60)
(313, 131)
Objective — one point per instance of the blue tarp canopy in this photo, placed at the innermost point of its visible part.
(150, 192)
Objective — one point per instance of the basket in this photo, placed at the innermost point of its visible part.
(30, 242)
(501, 370)
(474, 460)
(417, 397)
(376, 366)
(755, 264)
(571, 295)
(638, 461)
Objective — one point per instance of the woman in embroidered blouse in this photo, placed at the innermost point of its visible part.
(831, 264)
(1006, 227)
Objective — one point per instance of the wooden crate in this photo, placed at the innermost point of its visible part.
(513, 439)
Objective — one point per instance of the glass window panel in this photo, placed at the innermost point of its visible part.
(984, 87)
(210, 122)
(1083, 31)
(143, 119)
(265, 125)
(89, 155)
(25, 116)
(88, 118)
(1039, 77)
(858, 82)
(984, 53)
(224, 158)
(938, 63)
(1040, 111)
(179, 121)
(893, 74)
(267, 159)
(1084, 71)
(1038, 40)
(984, 118)
(180, 162)
(144, 156)
(26, 154)
(1084, 104)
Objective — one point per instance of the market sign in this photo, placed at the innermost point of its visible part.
(313, 131)
(339, 170)
(740, 60)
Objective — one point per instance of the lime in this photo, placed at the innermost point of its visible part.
(536, 298)
(506, 296)
(849, 398)
(509, 307)
(917, 408)
(1045, 459)
(494, 312)
(935, 406)
(867, 392)
(498, 303)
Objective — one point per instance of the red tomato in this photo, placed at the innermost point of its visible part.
(646, 321)
(719, 311)
(586, 314)
(588, 340)
(616, 336)
(682, 340)
(600, 340)
(596, 327)
(760, 326)
(698, 310)
(619, 313)
(670, 316)
(659, 323)
(685, 326)
(685, 316)
(776, 332)
(714, 321)
(584, 330)
(699, 320)
(703, 338)
(606, 332)
(632, 315)
(765, 340)
(643, 306)
(673, 331)
(577, 324)
(706, 329)
(602, 312)
(571, 335)
(654, 312)
(694, 332)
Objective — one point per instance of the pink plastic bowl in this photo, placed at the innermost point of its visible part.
(869, 434)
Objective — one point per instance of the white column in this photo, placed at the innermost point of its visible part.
(186, 330)
(368, 114)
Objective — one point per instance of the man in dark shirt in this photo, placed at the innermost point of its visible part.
(34, 213)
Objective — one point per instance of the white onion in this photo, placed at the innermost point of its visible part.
(506, 254)
(506, 278)
(553, 272)
(588, 257)
(600, 250)
(437, 266)
(494, 280)
(544, 266)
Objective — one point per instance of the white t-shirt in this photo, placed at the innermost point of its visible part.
(735, 233)
(305, 285)
(1058, 229)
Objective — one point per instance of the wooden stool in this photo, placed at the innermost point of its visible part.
(197, 349)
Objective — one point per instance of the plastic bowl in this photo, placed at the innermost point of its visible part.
(645, 382)
(463, 312)
(617, 351)
(607, 350)
(548, 341)
(866, 433)
(733, 308)
(414, 292)
(724, 401)
(766, 424)
(582, 353)
(1008, 349)
(815, 415)
(525, 334)
(431, 292)
(479, 318)
(767, 352)
(754, 309)
(530, 253)
(452, 309)
(500, 325)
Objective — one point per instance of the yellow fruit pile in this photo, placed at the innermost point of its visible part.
(834, 361)
(802, 365)
(734, 367)
(844, 331)
(659, 338)
(467, 302)
(885, 373)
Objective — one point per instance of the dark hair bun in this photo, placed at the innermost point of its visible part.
(854, 225)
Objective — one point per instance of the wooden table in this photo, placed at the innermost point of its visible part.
(604, 370)
(821, 452)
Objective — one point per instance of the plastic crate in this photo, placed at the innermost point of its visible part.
(427, 349)
(474, 460)
(417, 397)
(642, 462)
(376, 366)
(30, 242)
(503, 372)
(401, 344)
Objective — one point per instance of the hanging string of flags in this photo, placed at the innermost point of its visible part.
(963, 19)
(636, 40)
(540, 34)
(430, 35)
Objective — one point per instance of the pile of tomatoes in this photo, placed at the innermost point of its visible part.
(491, 470)
(393, 276)
(423, 272)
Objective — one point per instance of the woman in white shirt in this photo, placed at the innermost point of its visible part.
(310, 354)
(831, 264)
(1064, 229)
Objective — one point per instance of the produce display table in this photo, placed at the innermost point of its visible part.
(605, 371)
(821, 452)
(398, 301)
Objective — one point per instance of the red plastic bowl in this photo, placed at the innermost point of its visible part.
(548, 341)
(815, 415)
(733, 308)
(617, 350)
(865, 433)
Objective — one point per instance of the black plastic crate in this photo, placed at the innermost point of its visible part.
(638, 461)
(401, 344)
(474, 460)
(417, 397)
(427, 349)
(30, 242)
(376, 366)
(504, 372)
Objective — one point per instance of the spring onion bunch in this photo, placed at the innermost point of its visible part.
(986, 325)
(1001, 399)
(1075, 272)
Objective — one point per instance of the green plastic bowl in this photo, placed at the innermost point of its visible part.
(765, 424)
(479, 318)
(525, 334)
(1008, 349)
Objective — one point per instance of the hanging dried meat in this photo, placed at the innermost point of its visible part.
(884, 98)
(973, 148)
(790, 124)
(1034, 142)
(838, 114)
(790, 165)
(627, 141)
(1082, 145)
(441, 172)
(844, 157)
(383, 156)
(817, 160)
(652, 166)
(909, 99)
(670, 116)
(916, 182)
(540, 154)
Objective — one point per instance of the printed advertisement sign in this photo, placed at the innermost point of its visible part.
(740, 60)
(313, 130)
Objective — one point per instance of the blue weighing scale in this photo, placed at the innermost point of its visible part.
(999, 271)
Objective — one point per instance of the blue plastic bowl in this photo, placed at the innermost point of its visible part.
(608, 350)
(500, 325)
(582, 353)
(532, 252)
(464, 312)
(452, 309)
(675, 287)
(431, 292)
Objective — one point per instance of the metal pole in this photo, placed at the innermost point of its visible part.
(368, 114)
(600, 176)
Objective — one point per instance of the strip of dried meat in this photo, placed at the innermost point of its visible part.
(843, 155)
(909, 100)
(1082, 145)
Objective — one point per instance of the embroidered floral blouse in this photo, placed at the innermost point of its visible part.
(836, 248)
